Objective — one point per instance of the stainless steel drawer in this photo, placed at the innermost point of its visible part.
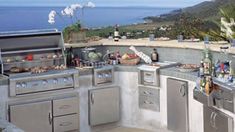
(228, 100)
(145, 91)
(66, 123)
(149, 78)
(149, 102)
(65, 106)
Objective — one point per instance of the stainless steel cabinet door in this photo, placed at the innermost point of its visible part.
(177, 105)
(104, 105)
(32, 117)
(216, 121)
(208, 119)
(221, 123)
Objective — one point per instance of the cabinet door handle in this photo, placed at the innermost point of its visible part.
(211, 120)
(228, 101)
(92, 98)
(182, 90)
(66, 123)
(148, 102)
(50, 118)
(147, 93)
(214, 123)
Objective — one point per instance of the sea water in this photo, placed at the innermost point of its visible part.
(29, 18)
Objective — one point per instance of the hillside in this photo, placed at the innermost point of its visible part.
(205, 10)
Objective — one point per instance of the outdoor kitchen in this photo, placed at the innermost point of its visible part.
(102, 86)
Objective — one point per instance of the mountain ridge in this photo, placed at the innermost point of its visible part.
(204, 10)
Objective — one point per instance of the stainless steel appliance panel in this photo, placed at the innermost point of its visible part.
(177, 105)
(32, 117)
(149, 78)
(40, 83)
(65, 106)
(22, 41)
(66, 123)
(228, 100)
(216, 121)
(208, 121)
(104, 105)
(149, 103)
(147, 91)
(103, 76)
(149, 98)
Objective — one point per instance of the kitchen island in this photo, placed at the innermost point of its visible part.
(133, 104)
(126, 78)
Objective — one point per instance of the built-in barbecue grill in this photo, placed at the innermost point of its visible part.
(35, 62)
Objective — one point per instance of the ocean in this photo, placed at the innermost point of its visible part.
(31, 18)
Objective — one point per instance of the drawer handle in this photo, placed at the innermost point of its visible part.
(148, 82)
(211, 119)
(228, 101)
(50, 118)
(65, 107)
(92, 98)
(66, 123)
(147, 93)
(214, 123)
(148, 102)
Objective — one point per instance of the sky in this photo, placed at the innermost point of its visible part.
(152, 3)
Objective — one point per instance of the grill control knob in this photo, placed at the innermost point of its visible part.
(106, 75)
(23, 85)
(55, 81)
(44, 82)
(100, 76)
(66, 79)
(18, 85)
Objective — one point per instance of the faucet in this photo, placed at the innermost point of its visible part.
(107, 53)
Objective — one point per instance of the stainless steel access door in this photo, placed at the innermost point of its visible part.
(32, 117)
(177, 105)
(216, 121)
(104, 105)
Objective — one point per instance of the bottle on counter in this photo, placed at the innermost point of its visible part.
(198, 81)
(213, 72)
(116, 34)
(70, 57)
(154, 55)
(201, 69)
(202, 84)
(207, 64)
(209, 85)
(110, 37)
(118, 57)
(124, 35)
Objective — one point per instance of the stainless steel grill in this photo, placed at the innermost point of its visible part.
(35, 62)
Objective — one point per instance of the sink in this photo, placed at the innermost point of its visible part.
(158, 65)
(165, 64)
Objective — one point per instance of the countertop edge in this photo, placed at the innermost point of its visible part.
(146, 43)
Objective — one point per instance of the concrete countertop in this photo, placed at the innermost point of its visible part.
(214, 46)
(3, 80)
(228, 86)
(173, 72)
(8, 127)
